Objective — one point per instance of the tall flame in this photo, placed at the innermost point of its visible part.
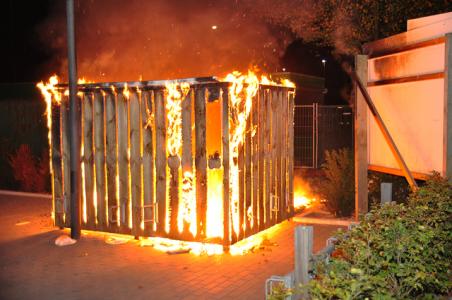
(175, 93)
(49, 92)
(242, 90)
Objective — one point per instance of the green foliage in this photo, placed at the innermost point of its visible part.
(398, 251)
(338, 188)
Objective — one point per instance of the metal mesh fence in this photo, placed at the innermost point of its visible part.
(319, 128)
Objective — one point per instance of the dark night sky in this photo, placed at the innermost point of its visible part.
(21, 51)
(26, 57)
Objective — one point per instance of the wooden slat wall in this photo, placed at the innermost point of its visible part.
(88, 160)
(111, 160)
(65, 157)
(248, 182)
(113, 125)
(99, 158)
(290, 147)
(226, 167)
(283, 122)
(268, 158)
(201, 160)
(135, 161)
(187, 153)
(57, 175)
(262, 156)
(255, 161)
(160, 160)
(123, 161)
(147, 121)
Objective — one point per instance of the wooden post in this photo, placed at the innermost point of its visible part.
(261, 157)
(447, 140)
(88, 159)
(135, 162)
(360, 108)
(57, 175)
(123, 161)
(187, 155)
(255, 160)
(247, 169)
(201, 160)
(290, 148)
(283, 153)
(268, 158)
(160, 159)
(99, 159)
(111, 159)
(66, 160)
(274, 146)
(225, 143)
(304, 240)
(147, 125)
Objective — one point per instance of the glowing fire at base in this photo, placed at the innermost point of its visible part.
(302, 197)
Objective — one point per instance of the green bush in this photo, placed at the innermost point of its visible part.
(338, 188)
(398, 251)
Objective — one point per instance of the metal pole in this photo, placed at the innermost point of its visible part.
(74, 113)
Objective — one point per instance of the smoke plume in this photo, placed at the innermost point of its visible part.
(124, 40)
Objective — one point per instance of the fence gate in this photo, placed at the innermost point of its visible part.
(318, 128)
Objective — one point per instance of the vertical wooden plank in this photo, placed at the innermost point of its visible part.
(255, 160)
(290, 147)
(111, 159)
(268, 158)
(187, 155)
(201, 160)
(241, 166)
(360, 143)
(123, 162)
(147, 125)
(262, 153)
(248, 182)
(225, 143)
(160, 160)
(66, 161)
(283, 146)
(279, 139)
(99, 159)
(173, 164)
(57, 174)
(135, 162)
(88, 159)
(274, 157)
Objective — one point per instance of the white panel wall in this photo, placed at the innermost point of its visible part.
(413, 113)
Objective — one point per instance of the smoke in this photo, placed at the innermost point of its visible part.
(124, 40)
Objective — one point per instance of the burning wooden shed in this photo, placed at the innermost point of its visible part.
(194, 159)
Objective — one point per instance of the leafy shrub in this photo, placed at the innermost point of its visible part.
(338, 188)
(31, 173)
(398, 251)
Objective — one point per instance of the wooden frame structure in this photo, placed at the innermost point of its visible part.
(129, 183)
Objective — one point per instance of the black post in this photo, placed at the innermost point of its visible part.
(74, 113)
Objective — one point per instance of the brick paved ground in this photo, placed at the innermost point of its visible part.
(32, 267)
